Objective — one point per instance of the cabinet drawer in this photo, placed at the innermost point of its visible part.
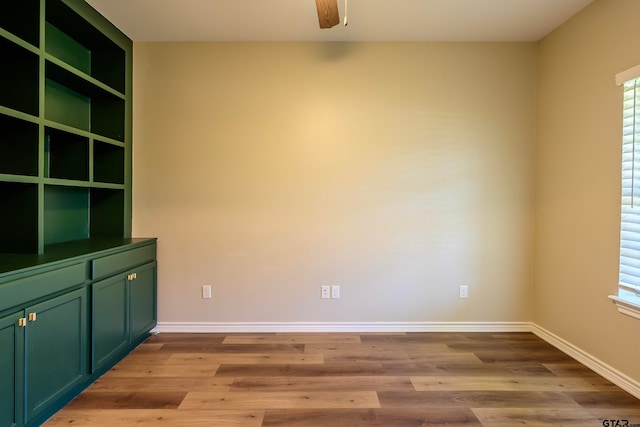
(112, 264)
(39, 285)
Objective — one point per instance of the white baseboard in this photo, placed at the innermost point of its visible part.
(618, 378)
(361, 327)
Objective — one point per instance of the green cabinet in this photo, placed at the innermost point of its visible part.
(43, 357)
(110, 320)
(124, 310)
(66, 318)
(142, 288)
(56, 350)
(11, 370)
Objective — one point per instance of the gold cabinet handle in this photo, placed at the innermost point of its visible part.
(22, 322)
(132, 276)
(32, 317)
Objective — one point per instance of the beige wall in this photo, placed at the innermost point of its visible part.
(397, 171)
(578, 181)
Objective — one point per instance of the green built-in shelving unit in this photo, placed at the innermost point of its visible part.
(77, 293)
(65, 126)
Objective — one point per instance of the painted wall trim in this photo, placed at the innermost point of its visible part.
(261, 327)
(618, 378)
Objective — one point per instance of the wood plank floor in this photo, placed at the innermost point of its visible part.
(413, 379)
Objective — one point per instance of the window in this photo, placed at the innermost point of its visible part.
(628, 298)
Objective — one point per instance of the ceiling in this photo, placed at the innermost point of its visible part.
(369, 20)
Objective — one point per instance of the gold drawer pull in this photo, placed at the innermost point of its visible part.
(32, 317)
(22, 322)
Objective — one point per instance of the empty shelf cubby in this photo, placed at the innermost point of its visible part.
(76, 102)
(108, 163)
(18, 146)
(66, 155)
(75, 41)
(22, 19)
(18, 217)
(19, 82)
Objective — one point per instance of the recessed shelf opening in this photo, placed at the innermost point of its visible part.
(108, 163)
(75, 41)
(18, 147)
(66, 214)
(22, 19)
(107, 218)
(75, 102)
(19, 82)
(72, 213)
(18, 217)
(66, 155)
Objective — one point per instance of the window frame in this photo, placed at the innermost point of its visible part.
(628, 297)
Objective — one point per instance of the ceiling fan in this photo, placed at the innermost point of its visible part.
(328, 15)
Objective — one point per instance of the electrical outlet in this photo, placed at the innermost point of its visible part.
(206, 292)
(464, 291)
(335, 292)
(325, 292)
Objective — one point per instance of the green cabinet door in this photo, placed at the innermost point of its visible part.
(110, 319)
(123, 311)
(56, 350)
(143, 301)
(11, 369)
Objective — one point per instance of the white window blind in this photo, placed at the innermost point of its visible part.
(628, 298)
(630, 221)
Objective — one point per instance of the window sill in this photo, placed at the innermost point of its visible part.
(628, 305)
